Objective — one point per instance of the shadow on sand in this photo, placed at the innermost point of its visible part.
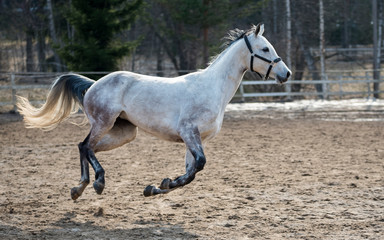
(67, 228)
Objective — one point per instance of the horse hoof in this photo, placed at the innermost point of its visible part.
(74, 193)
(148, 191)
(165, 183)
(99, 187)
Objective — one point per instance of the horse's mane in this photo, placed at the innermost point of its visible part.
(236, 34)
(232, 36)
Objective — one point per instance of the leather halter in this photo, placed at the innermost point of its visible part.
(272, 63)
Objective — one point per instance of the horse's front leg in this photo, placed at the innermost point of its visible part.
(194, 161)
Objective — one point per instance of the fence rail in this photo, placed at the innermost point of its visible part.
(339, 87)
(323, 94)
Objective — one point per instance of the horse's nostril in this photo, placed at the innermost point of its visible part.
(288, 74)
(281, 79)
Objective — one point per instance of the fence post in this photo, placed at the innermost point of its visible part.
(288, 89)
(13, 86)
(341, 87)
(325, 87)
(368, 84)
(242, 91)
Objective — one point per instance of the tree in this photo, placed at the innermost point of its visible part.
(183, 26)
(52, 33)
(95, 46)
(289, 41)
(376, 18)
(306, 29)
(322, 43)
(33, 21)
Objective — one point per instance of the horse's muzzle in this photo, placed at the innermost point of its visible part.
(283, 79)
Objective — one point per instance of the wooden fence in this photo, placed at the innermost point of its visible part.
(339, 88)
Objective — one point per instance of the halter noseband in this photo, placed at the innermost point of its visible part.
(272, 63)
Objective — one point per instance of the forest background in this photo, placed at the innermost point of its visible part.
(174, 37)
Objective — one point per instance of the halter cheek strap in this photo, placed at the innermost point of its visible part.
(272, 63)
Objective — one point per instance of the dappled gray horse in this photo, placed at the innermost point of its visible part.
(188, 109)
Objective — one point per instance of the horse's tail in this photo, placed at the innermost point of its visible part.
(64, 98)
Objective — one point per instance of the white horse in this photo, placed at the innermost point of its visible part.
(188, 109)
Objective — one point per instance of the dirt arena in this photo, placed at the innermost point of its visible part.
(266, 177)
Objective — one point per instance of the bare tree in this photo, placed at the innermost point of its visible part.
(376, 44)
(289, 41)
(205, 34)
(322, 43)
(29, 61)
(303, 31)
(53, 34)
(346, 25)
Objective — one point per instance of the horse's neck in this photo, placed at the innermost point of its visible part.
(226, 72)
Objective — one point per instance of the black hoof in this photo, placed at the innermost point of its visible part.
(165, 183)
(99, 187)
(75, 193)
(148, 191)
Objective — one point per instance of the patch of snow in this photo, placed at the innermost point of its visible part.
(311, 105)
(356, 110)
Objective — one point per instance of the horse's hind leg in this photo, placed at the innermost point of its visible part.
(84, 181)
(87, 155)
(194, 161)
(122, 132)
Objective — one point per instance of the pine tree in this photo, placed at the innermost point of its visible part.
(96, 23)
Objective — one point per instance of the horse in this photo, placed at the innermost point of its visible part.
(186, 109)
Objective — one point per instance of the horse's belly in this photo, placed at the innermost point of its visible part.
(209, 133)
(164, 136)
(158, 129)
(164, 125)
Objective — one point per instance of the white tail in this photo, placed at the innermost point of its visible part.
(64, 98)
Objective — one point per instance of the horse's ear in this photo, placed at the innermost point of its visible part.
(259, 29)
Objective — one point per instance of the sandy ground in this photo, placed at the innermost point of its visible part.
(269, 175)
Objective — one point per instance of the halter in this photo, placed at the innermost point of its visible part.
(272, 63)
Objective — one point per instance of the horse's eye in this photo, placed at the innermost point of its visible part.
(265, 49)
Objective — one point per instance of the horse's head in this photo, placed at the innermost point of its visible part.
(263, 56)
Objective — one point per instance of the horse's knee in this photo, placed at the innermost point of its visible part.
(190, 179)
(200, 162)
